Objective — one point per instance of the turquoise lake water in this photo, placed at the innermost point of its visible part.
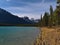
(18, 35)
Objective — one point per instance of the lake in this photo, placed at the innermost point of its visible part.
(18, 35)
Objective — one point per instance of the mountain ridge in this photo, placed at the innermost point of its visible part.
(8, 18)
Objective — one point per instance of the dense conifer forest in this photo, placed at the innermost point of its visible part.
(53, 18)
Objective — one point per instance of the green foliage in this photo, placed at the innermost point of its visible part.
(58, 12)
(51, 10)
(53, 19)
(40, 22)
(45, 19)
(58, 0)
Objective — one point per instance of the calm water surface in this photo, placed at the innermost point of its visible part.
(18, 35)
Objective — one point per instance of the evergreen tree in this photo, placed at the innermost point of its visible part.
(58, 11)
(41, 21)
(45, 19)
(54, 17)
(51, 17)
(55, 20)
(51, 10)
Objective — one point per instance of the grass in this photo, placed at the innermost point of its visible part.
(49, 36)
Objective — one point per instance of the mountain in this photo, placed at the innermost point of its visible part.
(8, 18)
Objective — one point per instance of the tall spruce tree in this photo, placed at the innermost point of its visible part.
(58, 11)
(45, 19)
(41, 21)
(51, 16)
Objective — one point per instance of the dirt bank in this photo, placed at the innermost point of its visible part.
(48, 36)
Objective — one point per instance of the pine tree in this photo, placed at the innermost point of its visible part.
(58, 11)
(45, 19)
(41, 21)
(51, 17)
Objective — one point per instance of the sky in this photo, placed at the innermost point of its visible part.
(30, 8)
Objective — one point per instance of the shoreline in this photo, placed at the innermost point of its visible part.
(48, 36)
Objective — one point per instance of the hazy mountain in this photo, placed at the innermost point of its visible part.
(8, 18)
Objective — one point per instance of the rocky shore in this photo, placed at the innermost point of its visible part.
(48, 36)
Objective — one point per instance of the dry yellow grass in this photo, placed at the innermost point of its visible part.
(48, 36)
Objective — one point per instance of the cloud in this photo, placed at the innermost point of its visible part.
(43, 1)
(30, 9)
(8, 0)
(33, 7)
(50, 0)
(35, 16)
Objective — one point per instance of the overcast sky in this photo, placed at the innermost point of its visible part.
(30, 8)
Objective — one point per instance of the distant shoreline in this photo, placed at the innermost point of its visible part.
(33, 25)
